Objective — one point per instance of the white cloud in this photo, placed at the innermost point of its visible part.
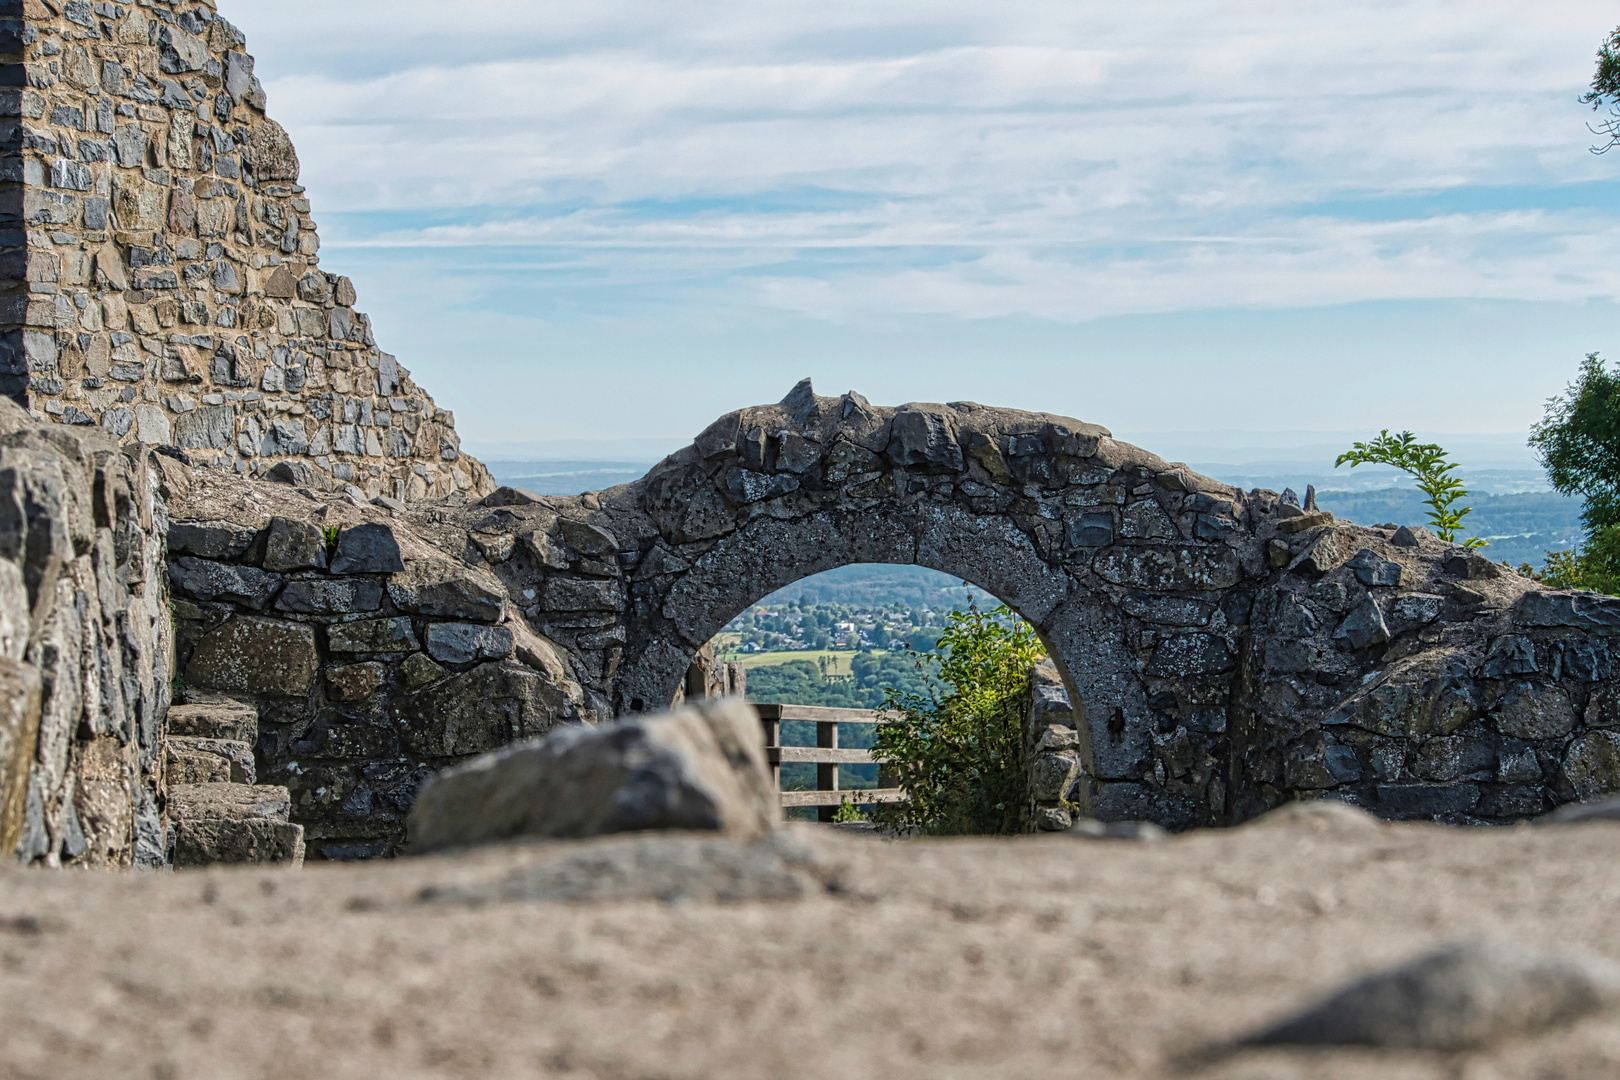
(852, 162)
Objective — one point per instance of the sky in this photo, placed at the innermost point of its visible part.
(619, 220)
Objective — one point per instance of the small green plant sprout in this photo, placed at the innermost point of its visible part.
(846, 812)
(1425, 462)
(329, 533)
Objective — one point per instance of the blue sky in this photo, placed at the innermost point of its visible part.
(621, 219)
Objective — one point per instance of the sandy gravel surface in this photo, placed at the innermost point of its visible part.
(1035, 957)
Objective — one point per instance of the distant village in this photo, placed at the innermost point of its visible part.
(797, 626)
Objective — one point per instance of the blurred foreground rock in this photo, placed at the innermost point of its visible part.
(1465, 995)
(698, 767)
(808, 953)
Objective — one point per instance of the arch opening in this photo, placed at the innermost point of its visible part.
(839, 639)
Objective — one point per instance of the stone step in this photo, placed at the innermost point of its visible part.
(206, 841)
(192, 760)
(214, 718)
(228, 802)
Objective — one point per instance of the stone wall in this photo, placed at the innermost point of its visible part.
(162, 271)
(85, 647)
(374, 646)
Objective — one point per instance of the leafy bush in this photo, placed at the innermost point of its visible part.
(1578, 442)
(1425, 462)
(958, 749)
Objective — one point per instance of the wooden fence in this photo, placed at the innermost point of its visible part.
(826, 756)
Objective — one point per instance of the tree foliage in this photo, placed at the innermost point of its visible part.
(958, 750)
(1605, 93)
(1426, 462)
(1578, 443)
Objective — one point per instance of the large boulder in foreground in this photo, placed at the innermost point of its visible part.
(699, 767)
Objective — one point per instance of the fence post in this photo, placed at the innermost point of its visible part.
(772, 740)
(826, 775)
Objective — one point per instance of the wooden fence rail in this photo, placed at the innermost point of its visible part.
(826, 756)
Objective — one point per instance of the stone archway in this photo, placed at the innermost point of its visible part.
(1089, 539)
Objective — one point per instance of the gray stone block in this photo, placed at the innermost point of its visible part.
(215, 720)
(209, 581)
(449, 592)
(367, 549)
(465, 643)
(209, 842)
(372, 636)
(256, 656)
(331, 596)
(701, 767)
(293, 545)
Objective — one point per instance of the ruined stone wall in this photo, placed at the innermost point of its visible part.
(1215, 652)
(162, 276)
(374, 647)
(85, 647)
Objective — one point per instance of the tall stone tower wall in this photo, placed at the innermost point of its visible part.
(162, 274)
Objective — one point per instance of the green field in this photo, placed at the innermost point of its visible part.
(837, 661)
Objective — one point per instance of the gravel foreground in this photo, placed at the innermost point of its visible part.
(1027, 957)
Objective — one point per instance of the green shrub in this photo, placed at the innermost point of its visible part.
(958, 750)
(1426, 463)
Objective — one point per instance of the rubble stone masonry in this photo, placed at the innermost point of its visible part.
(161, 269)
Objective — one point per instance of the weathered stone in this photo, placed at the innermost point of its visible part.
(1465, 995)
(1583, 610)
(449, 592)
(752, 487)
(1470, 566)
(1406, 536)
(1413, 610)
(256, 656)
(1534, 711)
(1053, 775)
(215, 720)
(1508, 656)
(925, 437)
(1584, 661)
(328, 596)
(1592, 766)
(587, 539)
(354, 682)
(563, 594)
(234, 757)
(270, 152)
(1169, 569)
(420, 670)
(1364, 626)
(1372, 570)
(293, 545)
(1092, 530)
(203, 579)
(466, 643)
(209, 541)
(372, 636)
(1425, 800)
(205, 843)
(228, 802)
(20, 691)
(1189, 654)
(1409, 701)
(482, 709)
(701, 767)
(367, 549)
